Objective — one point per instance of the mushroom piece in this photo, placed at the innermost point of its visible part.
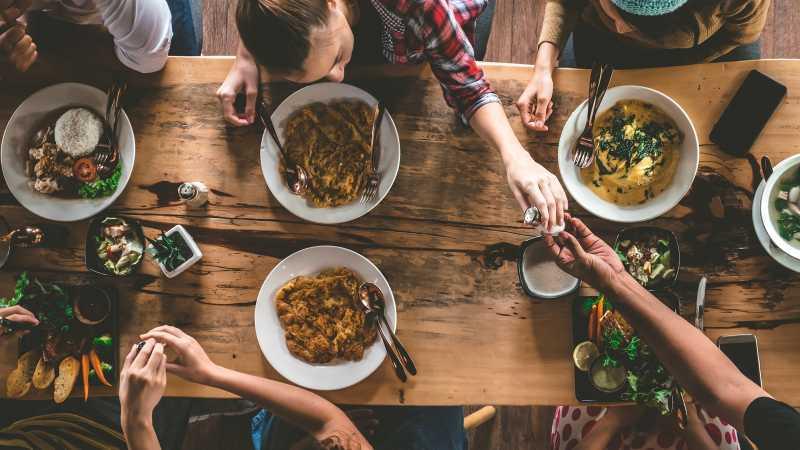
(794, 209)
(794, 194)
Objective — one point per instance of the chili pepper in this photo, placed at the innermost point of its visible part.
(85, 374)
(592, 321)
(98, 367)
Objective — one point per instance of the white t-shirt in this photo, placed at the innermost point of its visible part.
(142, 29)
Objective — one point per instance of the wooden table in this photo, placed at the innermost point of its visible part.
(446, 237)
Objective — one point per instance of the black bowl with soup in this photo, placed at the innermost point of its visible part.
(539, 275)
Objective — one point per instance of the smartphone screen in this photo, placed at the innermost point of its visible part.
(747, 113)
(744, 355)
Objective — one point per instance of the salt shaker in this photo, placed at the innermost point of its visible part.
(194, 194)
(533, 217)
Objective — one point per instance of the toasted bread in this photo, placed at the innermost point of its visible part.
(44, 374)
(19, 380)
(68, 370)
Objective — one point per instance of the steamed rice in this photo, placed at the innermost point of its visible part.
(78, 132)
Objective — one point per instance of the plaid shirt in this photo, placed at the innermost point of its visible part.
(441, 32)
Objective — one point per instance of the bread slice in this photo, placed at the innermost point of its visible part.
(19, 380)
(44, 374)
(68, 370)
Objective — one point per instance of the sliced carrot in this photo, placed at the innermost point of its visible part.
(98, 367)
(600, 312)
(85, 375)
(592, 320)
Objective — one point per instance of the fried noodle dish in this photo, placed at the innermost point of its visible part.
(332, 143)
(320, 320)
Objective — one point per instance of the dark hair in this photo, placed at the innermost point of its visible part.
(276, 32)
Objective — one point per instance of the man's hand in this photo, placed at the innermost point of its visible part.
(142, 383)
(192, 363)
(243, 76)
(532, 184)
(585, 256)
(18, 314)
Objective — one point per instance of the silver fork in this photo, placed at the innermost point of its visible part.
(584, 151)
(374, 179)
(113, 110)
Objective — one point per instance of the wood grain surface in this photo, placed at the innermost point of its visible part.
(446, 237)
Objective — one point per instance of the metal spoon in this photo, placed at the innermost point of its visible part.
(372, 319)
(371, 299)
(296, 178)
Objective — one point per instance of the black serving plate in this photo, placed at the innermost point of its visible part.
(110, 326)
(585, 392)
(644, 232)
(91, 259)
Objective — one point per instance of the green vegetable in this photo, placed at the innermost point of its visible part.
(23, 281)
(102, 187)
(107, 369)
(166, 250)
(103, 342)
(588, 302)
(788, 225)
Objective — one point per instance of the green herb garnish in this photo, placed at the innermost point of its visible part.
(102, 187)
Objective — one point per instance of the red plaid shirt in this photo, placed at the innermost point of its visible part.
(441, 32)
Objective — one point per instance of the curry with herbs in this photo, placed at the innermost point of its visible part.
(637, 153)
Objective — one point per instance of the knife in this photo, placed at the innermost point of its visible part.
(701, 301)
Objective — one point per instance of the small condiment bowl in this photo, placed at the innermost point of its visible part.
(537, 244)
(91, 259)
(643, 232)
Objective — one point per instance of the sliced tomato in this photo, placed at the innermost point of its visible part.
(85, 170)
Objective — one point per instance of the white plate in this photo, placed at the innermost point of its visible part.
(758, 224)
(672, 195)
(335, 375)
(769, 215)
(20, 130)
(270, 157)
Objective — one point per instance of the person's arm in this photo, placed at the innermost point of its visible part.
(17, 314)
(244, 76)
(467, 90)
(142, 31)
(142, 383)
(535, 103)
(698, 365)
(312, 413)
(529, 181)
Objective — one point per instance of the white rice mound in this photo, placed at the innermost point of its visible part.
(78, 132)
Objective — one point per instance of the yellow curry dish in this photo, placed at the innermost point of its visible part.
(320, 320)
(637, 151)
(331, 141)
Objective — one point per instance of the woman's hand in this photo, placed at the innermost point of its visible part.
(192, 363)
(243, 77)
(19, 314)
(535, 104)
(532, 184)
(16, 46)
(585, 256)
(142, 383)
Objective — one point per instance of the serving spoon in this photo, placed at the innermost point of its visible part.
(371, 301)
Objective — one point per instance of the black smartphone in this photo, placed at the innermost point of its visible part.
(747, 113)
(742, 349)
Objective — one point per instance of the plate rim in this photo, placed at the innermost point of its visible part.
(563, 155)
(267, 145)
(102, 205)
(392, 317)
(780, 169)
(763, 237)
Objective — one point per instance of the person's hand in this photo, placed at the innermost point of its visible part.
(11, 10)
(585, 256)
(18, 314)
(535, 104)
(17, 48)
(192, 363)
(142, 382)
(243, 76)
(532, 184)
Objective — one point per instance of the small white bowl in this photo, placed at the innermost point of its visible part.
(787, 168)
(196, 253)
(663, 202)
